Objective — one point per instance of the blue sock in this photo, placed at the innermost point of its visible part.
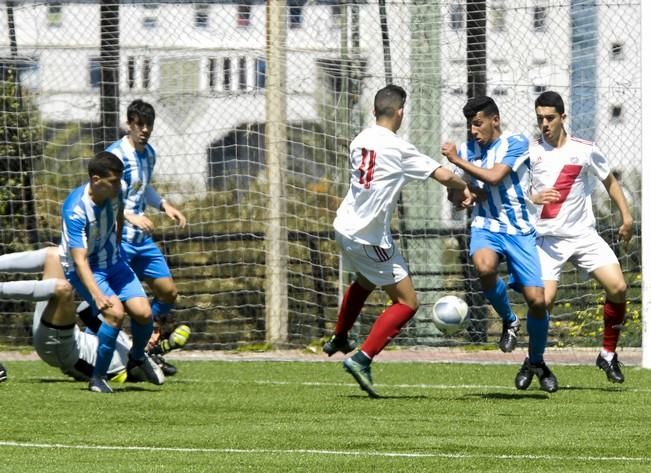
(499, 299)
(107, 336)
(537, 329)
(160, 309)
(140, 335)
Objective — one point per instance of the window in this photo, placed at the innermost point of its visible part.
(616, 51)
(201, 16)
(539, 18)
(295, 16)
(146, 73)
(54, 14)
(539, 89)
(500, 90)
(616, 113)
(457, 91)
(227, 73)
(260, 73)
(241, 74)
(498, 16)
(457, 16)
(212, 73)
(243, 15)
(150, 20)
(94, 72)
(131, 71)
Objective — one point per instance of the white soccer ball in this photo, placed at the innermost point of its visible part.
(450, 314)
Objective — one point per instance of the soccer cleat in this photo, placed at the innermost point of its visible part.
(611, 368)
(145, 370)
(168, 368)
(548, 382)
(362, 375)
(509, 338)
(98, 384)
(335, 344)
(3, 374)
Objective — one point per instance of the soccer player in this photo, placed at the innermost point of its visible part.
(381, 163)
(564, 172)
(498, 168)
(142, 253)
(56, 337)
(90, 255)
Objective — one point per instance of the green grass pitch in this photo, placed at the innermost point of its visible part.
(311, 417)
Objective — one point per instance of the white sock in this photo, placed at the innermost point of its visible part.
(607, 355)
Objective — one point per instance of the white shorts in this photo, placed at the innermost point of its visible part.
(586, 252)
(381, 266)
(72, 350)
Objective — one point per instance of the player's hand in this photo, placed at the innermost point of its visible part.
(449, 150)
(140, 221)
(468, 199)
(546, 196)
(175, 215)
(154, 339)
(103, 302)
(625, 232)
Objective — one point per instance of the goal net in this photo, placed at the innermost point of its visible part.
(256, 103)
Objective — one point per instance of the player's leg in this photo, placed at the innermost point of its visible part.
(130, 290)
(385, 268)
(485, 250)
(599, 260)
(612, 280)
(353, 256)
(524, 266)
(25, 261)
(150, 265)
(351, 306)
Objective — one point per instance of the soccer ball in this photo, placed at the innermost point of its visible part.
(450, 314)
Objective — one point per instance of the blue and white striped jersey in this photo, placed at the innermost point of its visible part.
(87, 225)
(136, 183)
(507, 208)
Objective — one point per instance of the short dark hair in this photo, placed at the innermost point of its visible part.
(141, 109)
(482, 103)
(388, 100)
(550, 98)
(103, 164)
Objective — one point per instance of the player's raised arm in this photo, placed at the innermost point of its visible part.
(492, 176)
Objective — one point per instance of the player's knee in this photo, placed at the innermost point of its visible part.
(617, 293)
(63, 290)
(169, 297)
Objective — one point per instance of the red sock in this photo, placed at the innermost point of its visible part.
(386, 327)
(613, 318)
(351, 306)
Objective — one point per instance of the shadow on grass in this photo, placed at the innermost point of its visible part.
(402, 398)
(509, 396)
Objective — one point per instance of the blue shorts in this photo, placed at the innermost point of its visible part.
(146, 259)
(118, 280)
(520, 252)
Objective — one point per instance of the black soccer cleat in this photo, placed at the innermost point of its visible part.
(335, 344)
(168, 368)
(548, 382)
(362, 375)
(611, 368)
(509, 337)
(3, 373)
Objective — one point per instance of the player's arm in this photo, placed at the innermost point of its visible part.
(82, 267)
(491, 176)
(454, 182)
(155, 200)
(617, 196)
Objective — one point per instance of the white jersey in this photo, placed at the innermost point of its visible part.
(381, 163)
(573, 169)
